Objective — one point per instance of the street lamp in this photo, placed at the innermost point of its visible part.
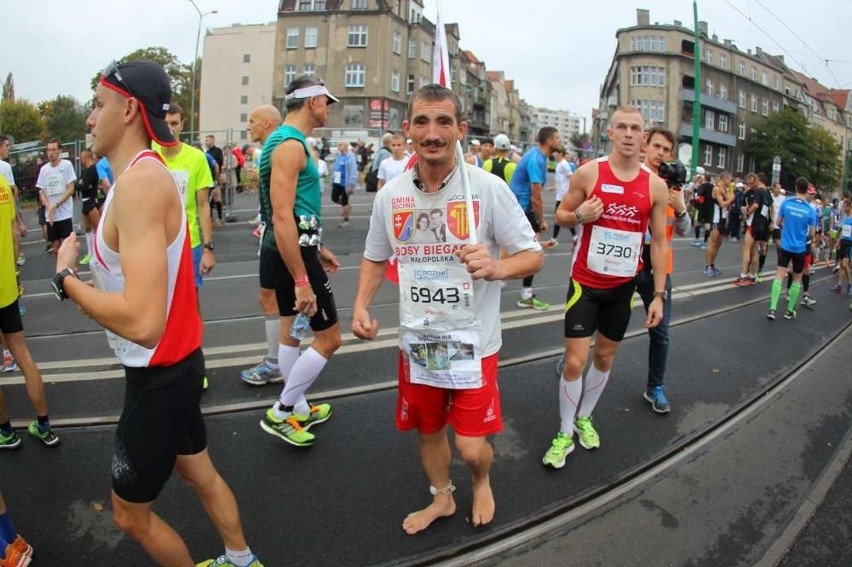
(195, 64)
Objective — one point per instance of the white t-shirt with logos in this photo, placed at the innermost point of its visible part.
(53, 181)
(390, 168)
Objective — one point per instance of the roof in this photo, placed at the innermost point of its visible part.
(840, 97)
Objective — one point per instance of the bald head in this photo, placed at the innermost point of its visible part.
(263, 120)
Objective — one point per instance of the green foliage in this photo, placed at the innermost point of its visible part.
(8, 89)
(22, 120)
(805, 150)
(578, 139)
(66, 119)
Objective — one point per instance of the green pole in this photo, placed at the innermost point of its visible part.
(696, 103)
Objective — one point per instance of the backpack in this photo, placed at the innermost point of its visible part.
(371, 181)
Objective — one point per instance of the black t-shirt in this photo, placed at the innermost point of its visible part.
(761, 197)
(88, 183)
(704, 201)
(217, 155)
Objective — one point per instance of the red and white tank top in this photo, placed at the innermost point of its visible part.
(183, 331)
(610, 250)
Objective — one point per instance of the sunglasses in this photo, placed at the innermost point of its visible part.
(112, 70)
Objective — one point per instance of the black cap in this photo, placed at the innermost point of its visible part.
(148, 83)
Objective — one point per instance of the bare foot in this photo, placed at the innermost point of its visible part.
(483, 503)
(441, 507)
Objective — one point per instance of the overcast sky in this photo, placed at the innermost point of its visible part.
(557, 51)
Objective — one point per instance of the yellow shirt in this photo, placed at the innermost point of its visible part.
(8, 277)
(191, 172)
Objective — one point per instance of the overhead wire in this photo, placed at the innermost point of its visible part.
(764, 32)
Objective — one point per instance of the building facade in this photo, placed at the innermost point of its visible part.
(236, 76)
(566, 122)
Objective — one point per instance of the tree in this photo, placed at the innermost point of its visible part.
(579, 141)
(8, 89)
(66, 119)
(22, 120)
(825, 167)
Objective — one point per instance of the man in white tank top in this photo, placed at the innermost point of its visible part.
(145, 298)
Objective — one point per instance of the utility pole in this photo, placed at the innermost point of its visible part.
(696, 101)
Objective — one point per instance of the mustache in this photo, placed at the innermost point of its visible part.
(436, 143)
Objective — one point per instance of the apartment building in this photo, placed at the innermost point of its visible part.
(565, 121)
(236, 76)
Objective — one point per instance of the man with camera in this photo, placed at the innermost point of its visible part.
(658, 149)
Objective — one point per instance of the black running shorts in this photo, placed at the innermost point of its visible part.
(604, 310)
(161, 420)
(89, 204)
(798, 259)
(275, 275)
(59, 230)
(10, 319)
(339, 194)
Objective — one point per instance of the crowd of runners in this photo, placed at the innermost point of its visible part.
(149, 210)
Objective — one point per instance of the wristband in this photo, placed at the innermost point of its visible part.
(302, 281)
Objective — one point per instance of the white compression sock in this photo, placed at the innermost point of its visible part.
(593, 386)
(89, 248)
(287, 357)
(273, 334)
(569, 398)
(302, 376)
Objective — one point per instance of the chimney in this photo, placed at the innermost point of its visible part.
(748, 51)
(678, 23)
(702, 27)
(715, 37)
(758, 51)
(728, 42)
(643, 17)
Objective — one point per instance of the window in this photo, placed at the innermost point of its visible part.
(412, 48)
(311, 5)
(647, 76)
(652, 110)
(741, 130)
(753, 73)
(358, 36)
(708, 56)
(355, 75)
(723, 124)
(243, 135)
(764, 107)
(245, 80)
(409, 86)
(710, 87)
(310, 37)
(741, 68)
(775, 106)
(708, 155)
(309, 69)
(742, 99)
(397, 43)
(709, 119)
(243, 117)
(424, 81)
(720, 162)
(359, 4)
(395, 81)
(246, 57)
(648, 43)
(754, 103)
(723, 91)
(831, 113)
(740, 163)
(764, 78)
(292, 38)
(289, 74)
(426, 51)
(775, 82)
(243, 99)
(723, 60)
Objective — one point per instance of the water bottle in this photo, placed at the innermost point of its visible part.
(300, 326)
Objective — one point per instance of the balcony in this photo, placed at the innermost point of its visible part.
(710, 101)
(707, 135)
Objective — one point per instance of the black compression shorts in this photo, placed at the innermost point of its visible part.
(605, 310)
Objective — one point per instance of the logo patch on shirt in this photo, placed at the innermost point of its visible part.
(403, 225)
(612, 189)
(457, 218)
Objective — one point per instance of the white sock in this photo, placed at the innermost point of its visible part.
(273, 333)
(240, 558)
(89, 247)
(569, 397)
(526, 293)
(287, 357)
(593, 386)
(302, 376)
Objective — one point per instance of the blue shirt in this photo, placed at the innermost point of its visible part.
(797, 217)
(846, 230)
(345, 170)
(104, 170)
(531, 169)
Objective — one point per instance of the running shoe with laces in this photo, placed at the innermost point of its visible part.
(46, 436)
(533, 303)
(261, 374)
(770, 314)
(740, 281)
(9, 364)
(15, 557)
(225, 562)
(21, 260)
(758, 278)
(289, 429)
(790, 314)
(551, 243)
(205, 384)
(657, 398)
(808, 301)
(344, 224)
(561, 446)
(320, 413)
(835, 289)
(84, 261)
(23, 550)
(586, 434)
(10, 441)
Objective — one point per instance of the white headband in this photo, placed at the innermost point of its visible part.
(311, 91)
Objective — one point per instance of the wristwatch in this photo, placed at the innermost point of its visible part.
(209, 245)
(58, 280)
(660, 294)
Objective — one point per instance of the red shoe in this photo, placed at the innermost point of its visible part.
(18, 554)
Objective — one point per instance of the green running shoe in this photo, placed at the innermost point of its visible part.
(533, 303)
(320, 413)
(588, 437)
(224, 561)
(289, 429)
(46, 436)
(560, 448)
(11, 441)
